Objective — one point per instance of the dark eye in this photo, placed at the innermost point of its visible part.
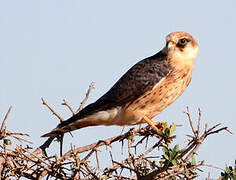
(183, 41)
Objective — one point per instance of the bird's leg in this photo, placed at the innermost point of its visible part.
(155, 125)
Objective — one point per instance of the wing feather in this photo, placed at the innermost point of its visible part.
(139, 79)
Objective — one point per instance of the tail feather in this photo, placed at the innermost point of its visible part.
(66, 127)
(55, 132)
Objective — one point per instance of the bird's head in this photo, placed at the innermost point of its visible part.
(181, 48)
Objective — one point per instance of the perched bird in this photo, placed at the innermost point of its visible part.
(143, 91)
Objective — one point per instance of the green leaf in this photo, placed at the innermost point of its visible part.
(84, 162)
(131, 138)
(165, 149)
(167, 132)
(227, 170)
(160, 133)
(177, 155)
(234, 177)
(193, 163)
(187, 173)
(166, 157)
(172, 154)
(174, 151)
(176, 148)
(166, 126)
(166, 165)
(172, 129)
(174, 162)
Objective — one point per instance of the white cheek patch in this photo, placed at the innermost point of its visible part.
(184, 58)
(190, 53)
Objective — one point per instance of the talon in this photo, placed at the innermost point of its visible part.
(157, 126)
(160, 125)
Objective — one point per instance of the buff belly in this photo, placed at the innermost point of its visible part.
(160, 97)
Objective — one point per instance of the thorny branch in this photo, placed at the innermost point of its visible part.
(51, 109)
(46, 144)
(5, 134)
(196, 140)
(78, 162)
(91, 86)
(5, 118)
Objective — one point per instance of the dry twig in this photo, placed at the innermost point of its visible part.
(76, 164)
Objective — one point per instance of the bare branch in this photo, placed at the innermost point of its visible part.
(80, 163)
(199, 121)
(190, 120)
(91, 86)
(65, 103)
(5, 118)
(52, 110)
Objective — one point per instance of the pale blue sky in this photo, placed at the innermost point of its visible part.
(55, 49)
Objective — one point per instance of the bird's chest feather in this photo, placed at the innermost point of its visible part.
(164, 93)
(151, 103)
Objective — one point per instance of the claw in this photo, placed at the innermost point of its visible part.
(157, 126)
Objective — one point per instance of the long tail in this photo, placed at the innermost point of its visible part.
(55, 132)
(70, 125)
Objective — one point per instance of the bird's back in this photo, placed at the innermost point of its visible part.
(140, 78)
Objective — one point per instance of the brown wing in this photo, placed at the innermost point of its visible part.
(135, 82)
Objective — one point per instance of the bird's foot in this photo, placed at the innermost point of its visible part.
(160, 125)
(157, 126)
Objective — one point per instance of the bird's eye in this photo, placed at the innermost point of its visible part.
(183, 41)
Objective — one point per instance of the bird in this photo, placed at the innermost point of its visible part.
(145, 90)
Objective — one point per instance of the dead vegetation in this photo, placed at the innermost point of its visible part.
(168, 162)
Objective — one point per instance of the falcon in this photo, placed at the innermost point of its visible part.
(145, 90)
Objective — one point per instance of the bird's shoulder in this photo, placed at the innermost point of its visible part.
(138, 79)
